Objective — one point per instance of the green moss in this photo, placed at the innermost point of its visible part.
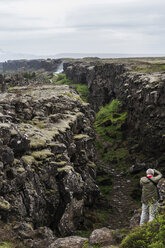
(6, 245)
(4, 205)
(10, 89)
(80, 136)
(50, 192)
(81, 88)
(61, 79)
(91, 164)
(108, 121)
(110, 135)
(28, 160)
(39, 124)
(37, 143)
(66, 168)
(16, 162)
(20, 170)
(105, 183)
(59, 164)
(68, 94)
(43, 154)
(103, 217)
(86, 245)
(29, 75)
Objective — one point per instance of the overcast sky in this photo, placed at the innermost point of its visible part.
(48, 27)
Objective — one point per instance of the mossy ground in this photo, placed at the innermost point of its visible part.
(150, 67)
(6, 245)
(110, 141)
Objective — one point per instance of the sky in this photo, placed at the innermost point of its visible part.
(50, 27)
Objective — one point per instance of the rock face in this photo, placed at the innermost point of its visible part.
(142, 96)
(31, 65)
(47, 156)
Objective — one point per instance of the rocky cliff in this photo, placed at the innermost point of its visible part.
(47, 155)
(142, 96)
(49, 65)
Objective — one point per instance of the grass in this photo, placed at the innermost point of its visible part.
(108, 126)
(152, 67)
(29, 75)
(105, 183)
(6, 245)
(60, 79)
(109, 121)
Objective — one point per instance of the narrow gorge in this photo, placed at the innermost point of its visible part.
(73, 147)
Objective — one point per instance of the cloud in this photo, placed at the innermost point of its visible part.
(53, 26)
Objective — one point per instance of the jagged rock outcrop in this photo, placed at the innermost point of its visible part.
(47, 155)
(142, 96)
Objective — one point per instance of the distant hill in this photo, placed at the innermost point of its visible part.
(7, 55)
(104, 55)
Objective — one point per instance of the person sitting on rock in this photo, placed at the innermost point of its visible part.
(149, 195)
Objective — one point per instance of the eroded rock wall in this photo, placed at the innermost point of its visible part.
(47, 155)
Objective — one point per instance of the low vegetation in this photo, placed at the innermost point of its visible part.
(82, 89)
(29, 75)
(108, 126)
(150, 235)
(150, 67)
(109, 121)
(7, 237)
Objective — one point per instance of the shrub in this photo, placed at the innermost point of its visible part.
(150, 235)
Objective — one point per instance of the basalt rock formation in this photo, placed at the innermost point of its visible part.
(142, 96)
(47, 155)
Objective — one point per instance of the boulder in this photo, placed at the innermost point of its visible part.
(103, 236)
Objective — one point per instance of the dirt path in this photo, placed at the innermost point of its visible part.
(122, 204)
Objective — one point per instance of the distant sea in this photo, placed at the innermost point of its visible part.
(4, 56)
(106, 55)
